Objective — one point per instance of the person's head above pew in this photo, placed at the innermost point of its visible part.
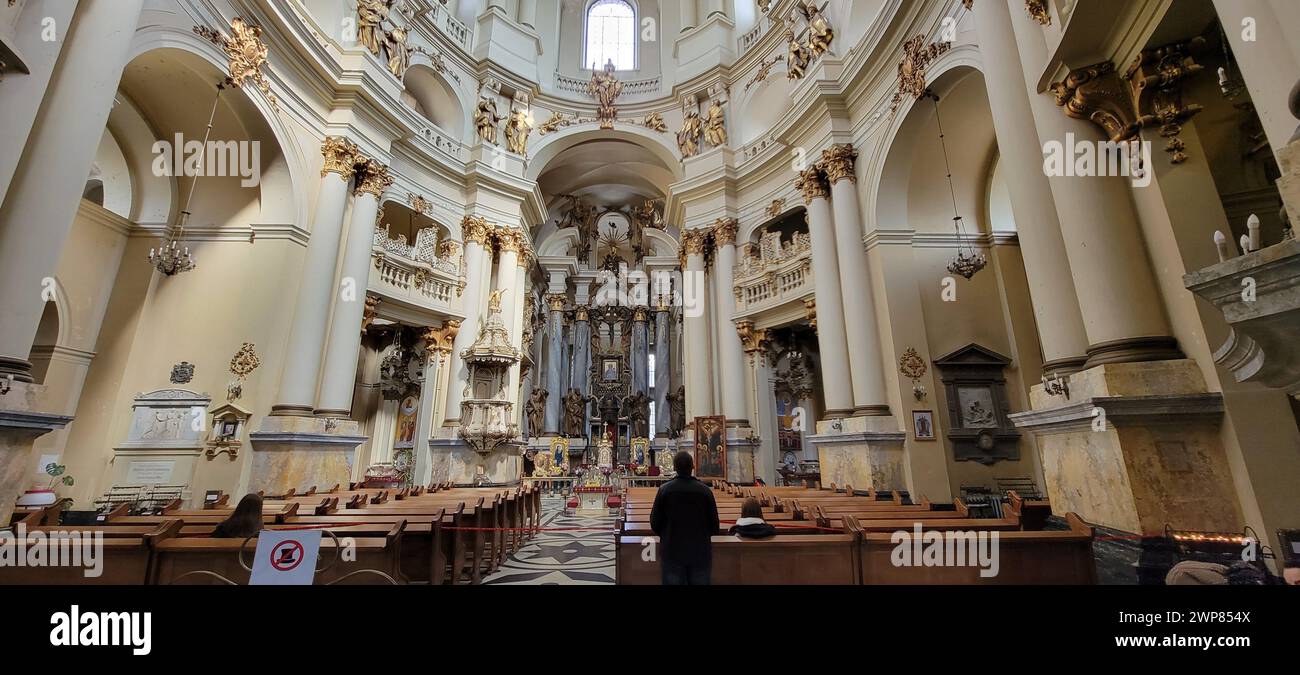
(246, 520)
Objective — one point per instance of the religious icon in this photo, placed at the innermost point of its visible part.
(406, 413)
(976, 407)
(609, 370)
(711, 447)
(923, 425)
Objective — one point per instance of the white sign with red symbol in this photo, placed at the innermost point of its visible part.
(285, 558)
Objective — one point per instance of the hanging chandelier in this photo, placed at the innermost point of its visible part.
(173, 257)
(968, 261)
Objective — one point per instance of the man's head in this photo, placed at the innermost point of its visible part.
(683, 464)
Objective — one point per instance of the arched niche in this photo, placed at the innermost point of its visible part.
(765, 105)
(433, 97)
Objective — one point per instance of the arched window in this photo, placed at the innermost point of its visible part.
(611, 35)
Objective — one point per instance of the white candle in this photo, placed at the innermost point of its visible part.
(1221, 243)
(1252, 227)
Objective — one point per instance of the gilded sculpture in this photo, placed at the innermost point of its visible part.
(796, 56)
(399, 54)
(688, 139)
(517, 130)
(605, 88)
(486, 119)
(820, 33)
(246, 54)
(371, 15)
(911, 69)
(715, 125)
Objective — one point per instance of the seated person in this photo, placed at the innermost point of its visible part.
(246, 521)
(751, 525)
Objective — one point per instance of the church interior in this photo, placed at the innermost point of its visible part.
(466, 275)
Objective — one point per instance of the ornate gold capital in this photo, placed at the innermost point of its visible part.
(810, 311)
(695, 241)
(1038, 11)
(838, 163)
(556, 301)
(475, 229)
(580, 313)
(373, 178)
(812, 184)
(341, 156)
(640, 314)
(724, 231)
(508, 239)
(442, 338)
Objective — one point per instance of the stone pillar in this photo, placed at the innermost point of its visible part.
(688, 14)
(516, 323)
(45, 193)
(302, 361)
(861, 330)
(831, 339)
(640, 350)
(735, 404)
(699, 383)
(760, 398)
(581, 349)
(1118, 300)
(528, 13)
(1056, 305)
(663, 369)
(437, 344)
(475, 230)
(554, 360)
(340, 368)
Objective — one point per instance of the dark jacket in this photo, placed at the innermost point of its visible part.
(752, 528)
(685, 516)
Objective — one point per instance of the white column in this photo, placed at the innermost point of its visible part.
(699, 383)
(731, 371)
(528, 13)
(1052, 293)
(302, 360)
(663, 369)
(861, 329)
(1270, 64)
(555, 366)
(1122, 311)
(477, 257)
(46, 190)
(516, 323)
(340, 369)
(688, 14)
(831, 340)
(712, 7)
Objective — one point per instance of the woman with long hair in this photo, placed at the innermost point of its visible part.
(246, 521)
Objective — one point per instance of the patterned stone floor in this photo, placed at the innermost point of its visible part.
(582, 556)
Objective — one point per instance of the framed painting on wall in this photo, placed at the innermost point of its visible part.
(923, 425)
(711, 447)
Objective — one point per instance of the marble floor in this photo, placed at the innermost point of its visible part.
(570, 550)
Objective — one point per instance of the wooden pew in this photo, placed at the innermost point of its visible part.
(125, 560)
(784, 559)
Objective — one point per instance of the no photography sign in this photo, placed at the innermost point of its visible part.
(285, 558)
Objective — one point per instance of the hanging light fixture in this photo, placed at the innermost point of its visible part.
(173, 257)
(1230, 83)
(968, 261)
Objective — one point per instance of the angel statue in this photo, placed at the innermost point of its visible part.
(517, 130)
(486, 119)
(797, 57)
(688, 139)
(715, 125)
(820, 33)
(371, 15)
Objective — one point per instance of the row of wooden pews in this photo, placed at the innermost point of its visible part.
(846, 536)
(436, 535)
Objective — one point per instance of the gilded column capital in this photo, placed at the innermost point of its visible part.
(695, 241)
(812, 183)
(838, 162)
(810, 312)
(724, 231)
(556, 301)
(341, 157)
(580, 313)
(373, 178)
(640, 314)
(475, 229)
(508, 239)
(1095, 93)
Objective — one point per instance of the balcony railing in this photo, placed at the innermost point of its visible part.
(422, 274)
(451, 26)
(774, 275)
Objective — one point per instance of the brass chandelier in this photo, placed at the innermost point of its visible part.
(968, 261)
(173, 257)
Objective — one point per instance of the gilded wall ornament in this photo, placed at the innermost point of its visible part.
(764, 69)
(1156, 82)
(1038, 11)
(810, 312)
(775, 208)
(654, 122)
(182, 373)
(246, 54)
(911, 69)
(1096, 93)
(242, 364)
(368, 314)
(913, 367)
(419, 204)
(837, 161)
(820, 33)
(797, 57)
